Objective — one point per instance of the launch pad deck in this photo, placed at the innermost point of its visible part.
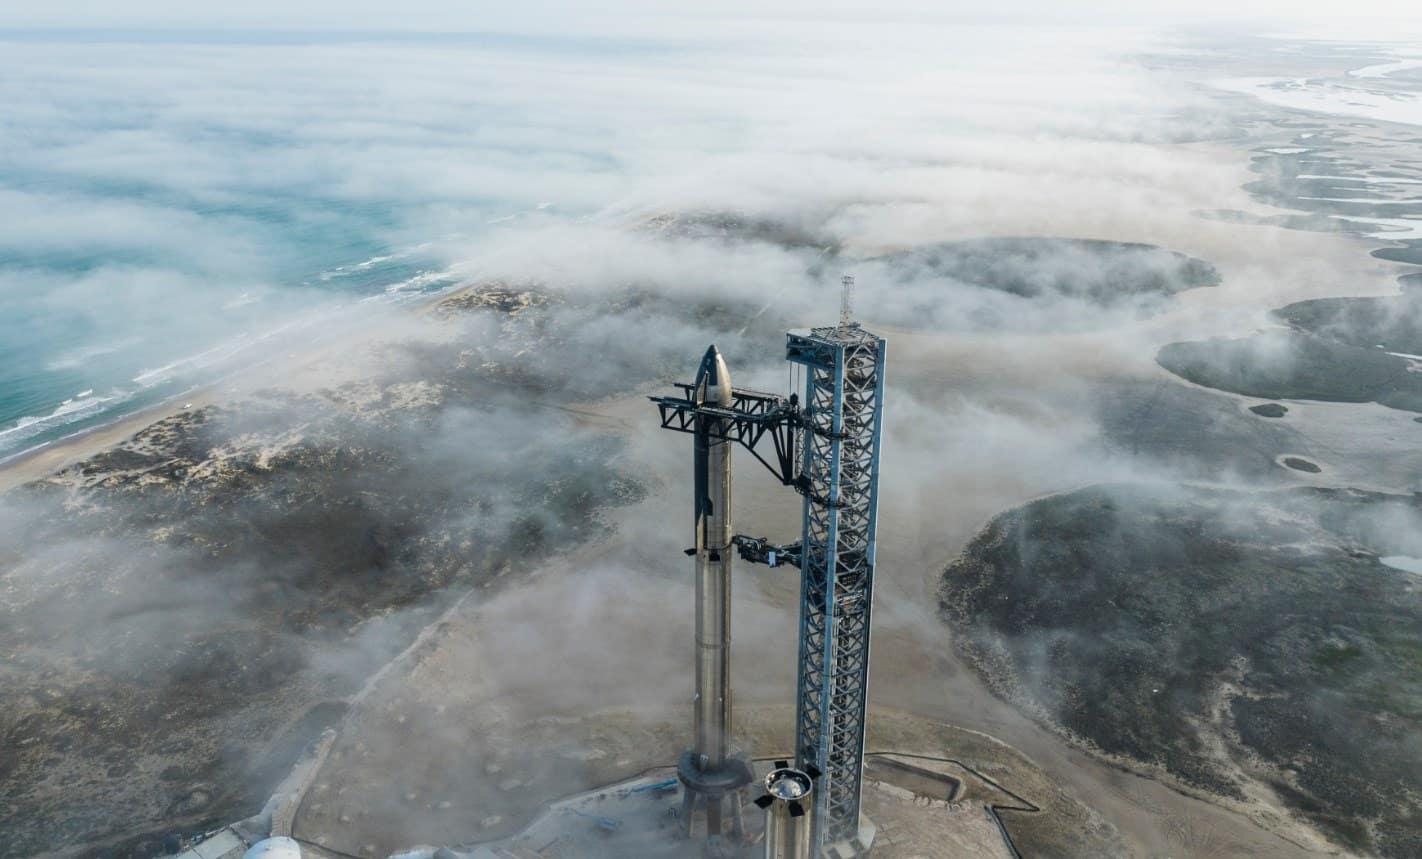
(921, 807)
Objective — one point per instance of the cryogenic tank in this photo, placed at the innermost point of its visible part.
(279, 847)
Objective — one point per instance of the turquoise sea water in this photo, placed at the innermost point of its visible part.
(65, 369)
(176, 206)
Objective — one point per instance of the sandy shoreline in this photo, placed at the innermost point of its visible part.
(61, 453)
(45, 460)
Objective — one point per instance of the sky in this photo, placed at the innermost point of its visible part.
(650, 16)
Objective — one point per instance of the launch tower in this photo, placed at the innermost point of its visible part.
(828, 450)
(839, 479)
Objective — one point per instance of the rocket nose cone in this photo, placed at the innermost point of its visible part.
(718, 378)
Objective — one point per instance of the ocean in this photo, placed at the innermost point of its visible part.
(63, 371)
(176, 206)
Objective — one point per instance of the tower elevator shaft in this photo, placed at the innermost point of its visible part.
(842, 424)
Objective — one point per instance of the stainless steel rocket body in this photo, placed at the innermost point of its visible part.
(787, 814)
(712, 522)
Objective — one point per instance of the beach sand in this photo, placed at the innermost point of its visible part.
(303, 370)
(45, 461)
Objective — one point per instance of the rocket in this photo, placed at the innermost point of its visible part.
(713, 551)
(712, 773)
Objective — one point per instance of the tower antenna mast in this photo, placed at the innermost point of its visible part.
(846, 301)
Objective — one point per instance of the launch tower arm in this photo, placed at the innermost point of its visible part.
(758, 550)
(752, 417)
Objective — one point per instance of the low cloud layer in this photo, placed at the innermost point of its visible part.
(172, 200)
(642, 195)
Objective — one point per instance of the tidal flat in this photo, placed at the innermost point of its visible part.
(1288, 365)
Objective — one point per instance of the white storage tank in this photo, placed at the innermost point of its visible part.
(279, 847)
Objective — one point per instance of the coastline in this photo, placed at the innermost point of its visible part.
(916, 560)
(40, 462)
(46, 459)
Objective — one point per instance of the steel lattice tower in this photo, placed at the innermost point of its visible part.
(839, 477)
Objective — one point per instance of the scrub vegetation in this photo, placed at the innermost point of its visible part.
(1246, 644)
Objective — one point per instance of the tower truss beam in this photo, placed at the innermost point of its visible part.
(841, 427)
